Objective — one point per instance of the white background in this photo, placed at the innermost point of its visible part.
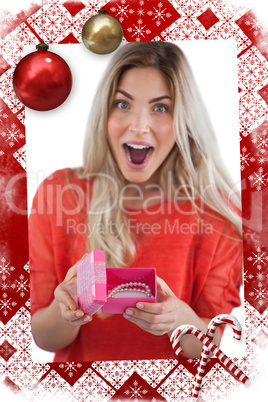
(54, 139)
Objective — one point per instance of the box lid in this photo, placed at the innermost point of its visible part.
(91, 282)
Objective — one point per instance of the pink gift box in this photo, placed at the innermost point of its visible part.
(95, 281)
(117, 276)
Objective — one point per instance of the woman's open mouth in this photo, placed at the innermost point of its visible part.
(137, 154)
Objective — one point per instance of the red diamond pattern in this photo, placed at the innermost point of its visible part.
(70, 371)
(142, 20)
(208, 19)
(136, 388)
(11, 385)
(264, 93)
(7, 350)
(69, 39)
(74, 7)
(261, 339)
(4, 66)
(254, 31)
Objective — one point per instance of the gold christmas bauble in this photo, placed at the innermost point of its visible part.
(102, 34)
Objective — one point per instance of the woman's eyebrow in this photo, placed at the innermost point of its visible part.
(127, 95)
(159, 98)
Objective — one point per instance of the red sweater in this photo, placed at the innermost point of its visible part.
(199, 260)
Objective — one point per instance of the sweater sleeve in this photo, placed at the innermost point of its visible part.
(43, 280)
(222, 281)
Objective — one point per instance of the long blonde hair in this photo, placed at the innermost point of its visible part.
(194, 162)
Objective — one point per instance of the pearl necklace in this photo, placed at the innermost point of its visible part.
(131, 289)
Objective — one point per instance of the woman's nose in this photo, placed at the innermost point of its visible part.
(140, 122)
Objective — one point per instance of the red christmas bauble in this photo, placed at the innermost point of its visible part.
(42, 80)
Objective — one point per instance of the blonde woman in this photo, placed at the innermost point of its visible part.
(152, 192)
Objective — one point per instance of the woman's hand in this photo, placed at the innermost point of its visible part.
(56, 326)
(168, 313)
(66, 296)
(158, 318)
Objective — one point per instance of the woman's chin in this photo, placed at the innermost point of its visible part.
(141, 177)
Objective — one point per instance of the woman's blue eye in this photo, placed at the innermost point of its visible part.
(122, 105)
(161, 108)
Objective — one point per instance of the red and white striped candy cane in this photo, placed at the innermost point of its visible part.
(212, 326)
(225, 319)
(191, 329)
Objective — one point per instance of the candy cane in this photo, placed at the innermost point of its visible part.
(225, 319)
(191, 329)
(212, 326)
